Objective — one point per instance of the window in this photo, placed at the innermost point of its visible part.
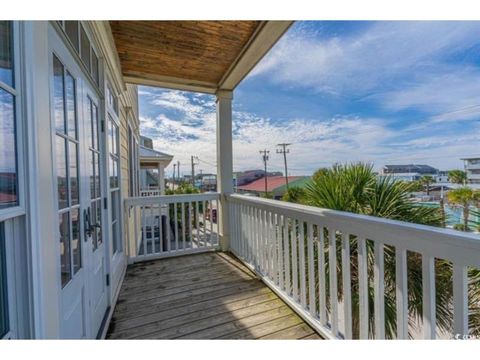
(78, 37)
(4, 318)
(8, 148)
(114, 168)
(112, 101)
(66, 152)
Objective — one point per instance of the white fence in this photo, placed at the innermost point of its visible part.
(171, 225)
(320, 260)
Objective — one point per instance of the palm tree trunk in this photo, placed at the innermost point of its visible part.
(465, 217)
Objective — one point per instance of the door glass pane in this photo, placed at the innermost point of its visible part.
(76, 244)
(71, 29)
(8, 155)
(85, 48)
(71, 103)
(62, 181)
(91, 170)
(89, 124)
(96, 138)
(97, 176)
(98, 228)
(93, 210)
(64, 227)
(58, 103)
(6, 53)
(4, 326)
(73, 154)
(115, 201)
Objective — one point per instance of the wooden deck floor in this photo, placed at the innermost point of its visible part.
(204, 296)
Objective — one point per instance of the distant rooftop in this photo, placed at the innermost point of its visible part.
(410, 168)
(273, 183)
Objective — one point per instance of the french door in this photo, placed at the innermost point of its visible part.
(77, 148)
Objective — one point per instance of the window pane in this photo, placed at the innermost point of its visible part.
(85, 48)
(4, 321)
(91, 170)
(98, 228)
(71, 104)
(97, 176)
(6, 53)
(73, 154)
(62, 185)
(71, 29)
(93, 216)
(95, 67)
(76, 243)
(115, 198)
(58, 102)
(65, 248)
(8, 155)
(96, 138)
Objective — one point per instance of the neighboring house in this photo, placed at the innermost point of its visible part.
(276, 185)
(409, 172)
(472, 168)
(248, 176)
(152, 167)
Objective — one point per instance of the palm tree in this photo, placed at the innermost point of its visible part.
(355, 188)
(457, 176)
(426, 180)
(464, 197)
(294, 194)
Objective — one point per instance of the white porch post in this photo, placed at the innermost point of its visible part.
(224, 162)
(161, 178)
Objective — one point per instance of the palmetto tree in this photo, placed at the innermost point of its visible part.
(464, 197)
(457, 176)
(426, 180)
(355, 188)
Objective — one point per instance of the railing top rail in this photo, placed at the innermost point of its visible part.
(169, 199)
(445, 243)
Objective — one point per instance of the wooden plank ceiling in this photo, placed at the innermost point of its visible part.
(189, 54)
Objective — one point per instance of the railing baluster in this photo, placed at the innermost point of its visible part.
(160, 227)
(168, 228)
(379, 286)
(266, 246)
(279, 234)
(197, 227)
(346, 282)
(190, 227)
(286, 256)
(211, 222)
(363, 287)
(204, 223)
(262, 240)
(175, 216)
(183, 227)
(144, 230)
(428, 297)
(274, 250)
(401, 292)
(302, 270)
(322, 293)
(293, 233)
(332, 262)
(460, 300)
(135, 226)
(311, 271)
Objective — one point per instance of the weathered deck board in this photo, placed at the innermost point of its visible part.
(203, 296)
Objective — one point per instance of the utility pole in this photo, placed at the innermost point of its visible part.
(264, 154)
(173, 185)
(201, 180)
(178, 171)
(194, 162)
(283, 150)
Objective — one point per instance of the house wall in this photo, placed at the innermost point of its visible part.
(41, 249)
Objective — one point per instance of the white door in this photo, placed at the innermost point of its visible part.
(77, 172)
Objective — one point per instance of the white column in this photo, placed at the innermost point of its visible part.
(224, 162)
(161, 178)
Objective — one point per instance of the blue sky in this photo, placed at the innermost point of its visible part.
(381, 92)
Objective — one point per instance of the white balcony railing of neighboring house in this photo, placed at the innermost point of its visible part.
(150, 192)
(305, 254)
(171, 225)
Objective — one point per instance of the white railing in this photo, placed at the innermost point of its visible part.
(150, 192)
(170, 225)
(320, 260)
